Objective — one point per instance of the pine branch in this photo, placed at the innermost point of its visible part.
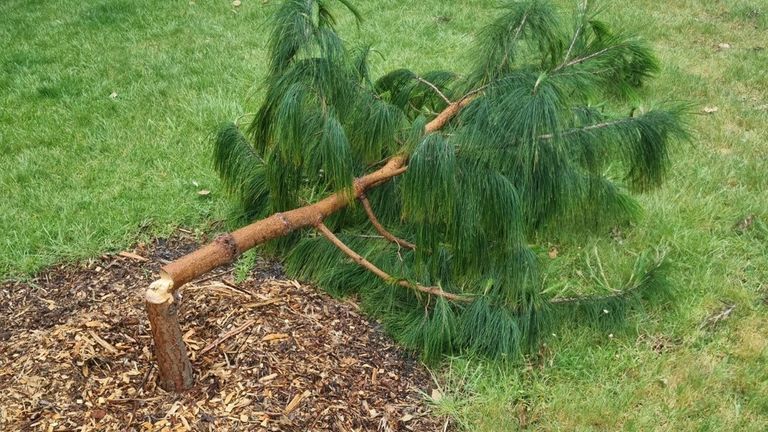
(380, 228)
(587, 128)
(579, 60)
(229, 246)
(434, 88)
(362, 262)
(588, 298)
(575, 35)
(519, 28)
(642, 280)
(570, 48)
(467, 98)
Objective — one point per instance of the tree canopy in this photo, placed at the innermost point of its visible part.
(549, 135)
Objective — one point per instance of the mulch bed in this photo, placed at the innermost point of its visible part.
(76, 355)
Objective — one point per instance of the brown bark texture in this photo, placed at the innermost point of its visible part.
(380, 228)
(171, 353)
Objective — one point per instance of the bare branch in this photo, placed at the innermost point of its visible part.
(362, 262)
(575, 37)
(380, 228)
(586, 128)
(579, 60)
(434, 87)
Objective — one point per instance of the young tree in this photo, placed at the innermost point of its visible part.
(427, 190)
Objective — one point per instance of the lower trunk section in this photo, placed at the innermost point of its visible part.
(170, 351)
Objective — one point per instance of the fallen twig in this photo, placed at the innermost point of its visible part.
(133, 256)
(714, 320)
(104, 344)
(226, 336)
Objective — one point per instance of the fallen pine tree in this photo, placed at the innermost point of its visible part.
(424, 192)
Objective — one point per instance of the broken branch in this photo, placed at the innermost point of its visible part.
(162, 303)
(228, 247)
(362, 262)
(380, 228)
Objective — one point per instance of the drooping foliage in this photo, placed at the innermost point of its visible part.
(551, 138)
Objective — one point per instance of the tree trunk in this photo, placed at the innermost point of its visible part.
(170, 352)
(174, 365)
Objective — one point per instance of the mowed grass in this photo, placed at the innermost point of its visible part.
(106, 111)
(82, 172)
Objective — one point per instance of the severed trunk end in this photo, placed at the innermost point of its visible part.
(170, 351)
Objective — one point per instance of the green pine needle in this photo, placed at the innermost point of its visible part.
(553, 140)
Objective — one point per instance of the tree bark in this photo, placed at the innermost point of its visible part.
(228, 247)
(162, 302)
(380, 228)
(362, 262)
(170, 351)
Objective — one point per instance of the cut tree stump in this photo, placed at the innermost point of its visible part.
(171, 353)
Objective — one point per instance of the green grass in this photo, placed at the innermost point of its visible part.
(82, 172)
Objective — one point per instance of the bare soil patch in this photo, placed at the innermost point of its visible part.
(76, 355)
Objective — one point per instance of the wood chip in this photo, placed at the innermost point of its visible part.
(294, 403)
(274, 337)
(104, 344)
(226, 336)
(260, 304)
(267, 378)
(133, 256)
(75, 332)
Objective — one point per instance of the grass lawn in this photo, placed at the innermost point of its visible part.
(106, 112)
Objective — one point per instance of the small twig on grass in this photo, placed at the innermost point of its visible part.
(713, 320)
(133, 256)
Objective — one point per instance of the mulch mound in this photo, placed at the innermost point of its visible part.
(269, 354)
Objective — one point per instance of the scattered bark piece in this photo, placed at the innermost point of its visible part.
(274, 337)
(294, 403)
